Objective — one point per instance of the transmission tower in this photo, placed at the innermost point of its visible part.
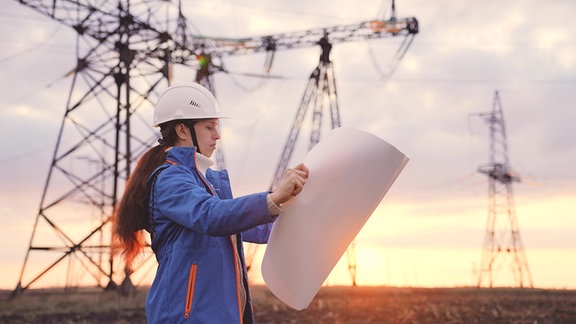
(125, 54)
(320, 95)
(502, 243)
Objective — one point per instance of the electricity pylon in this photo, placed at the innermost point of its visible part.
(124, 54)
(502, 242)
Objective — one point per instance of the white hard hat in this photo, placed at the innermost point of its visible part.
(185, 101)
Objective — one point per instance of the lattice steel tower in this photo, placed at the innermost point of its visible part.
(502, 242)
(124, 53)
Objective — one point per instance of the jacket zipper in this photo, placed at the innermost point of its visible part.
(236, 264)
(238, 280)
(190, 291)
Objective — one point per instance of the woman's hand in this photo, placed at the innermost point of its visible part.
(290, 185)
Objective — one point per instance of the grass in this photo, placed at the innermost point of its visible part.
(80, 305)
(331, 305)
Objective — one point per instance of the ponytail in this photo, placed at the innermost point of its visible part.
(131, 217)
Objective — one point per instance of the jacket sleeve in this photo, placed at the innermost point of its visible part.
(182, 197)
(258, 234)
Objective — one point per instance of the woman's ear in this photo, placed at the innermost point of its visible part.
(182, 131)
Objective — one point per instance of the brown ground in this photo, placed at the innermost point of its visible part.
(331, 305)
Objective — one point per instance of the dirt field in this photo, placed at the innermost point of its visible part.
(331, 305)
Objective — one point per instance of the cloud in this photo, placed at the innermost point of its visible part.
(465, 52)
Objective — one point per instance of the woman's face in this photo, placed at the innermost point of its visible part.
(207, 134)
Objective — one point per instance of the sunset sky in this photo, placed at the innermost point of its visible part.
(429, 229)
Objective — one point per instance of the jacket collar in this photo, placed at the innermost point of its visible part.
(189, 157)
(182, 155)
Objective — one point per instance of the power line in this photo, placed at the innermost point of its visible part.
(466, 80)
(35, 91)
(32, 48)
(13, 16)
(527, 43)
(21, 156)
(267, 9)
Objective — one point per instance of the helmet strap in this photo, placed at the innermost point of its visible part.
(194, 139)
(190, 125)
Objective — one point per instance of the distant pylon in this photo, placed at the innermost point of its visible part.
(502, 242)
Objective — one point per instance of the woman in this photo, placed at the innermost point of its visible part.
(196, 227)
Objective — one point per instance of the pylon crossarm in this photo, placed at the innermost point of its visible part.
(371, 29)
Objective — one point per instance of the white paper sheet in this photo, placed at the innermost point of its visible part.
(350, 172)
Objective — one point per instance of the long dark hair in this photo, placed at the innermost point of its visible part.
(130, 216)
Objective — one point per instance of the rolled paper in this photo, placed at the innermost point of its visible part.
(350, 172)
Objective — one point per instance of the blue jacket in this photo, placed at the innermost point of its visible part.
(192, 220)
